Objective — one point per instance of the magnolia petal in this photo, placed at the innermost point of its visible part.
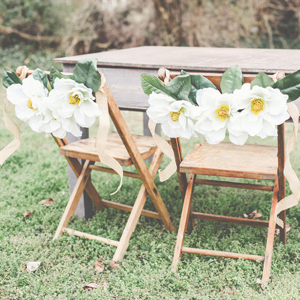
(215, 137)
(70, 126)
(35, 123)
(238, 139)
(253, 128)
(15, 94)
(90, 109)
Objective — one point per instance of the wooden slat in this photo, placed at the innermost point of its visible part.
(137, 160)
(108, 170)
(85, 149)
(146, 213)
(74, 198)
(137, 210)
(271, 233)
(186, 209)
(233, 220)
(91, 237)
(229, 160)
(222, 254)
(237, 185)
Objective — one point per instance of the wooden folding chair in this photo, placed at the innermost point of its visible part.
(229, 160)
(127, 149)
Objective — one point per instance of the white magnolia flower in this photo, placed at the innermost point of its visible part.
(58, 126)
(218, 110)
(29, 100)
(263, 109)
(71, 99)
(175, 116)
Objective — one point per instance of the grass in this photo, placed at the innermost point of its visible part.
(37, 171)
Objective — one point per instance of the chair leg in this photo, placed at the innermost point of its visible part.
(136, 210)
(90, 189)
(270, 239)
(183, 221)
(74, 199)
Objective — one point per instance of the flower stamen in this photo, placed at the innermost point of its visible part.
(74, 99)
(222, 113)
(257, 105)
(175, 114)
(29, 104)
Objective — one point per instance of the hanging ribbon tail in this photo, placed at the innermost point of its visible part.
(102, 133)
(165, 148)
(289, 173)
(6, 152)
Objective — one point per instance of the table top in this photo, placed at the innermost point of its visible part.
(196, 59)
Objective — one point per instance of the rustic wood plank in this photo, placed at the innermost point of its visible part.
(136, 210)
(222, 254)
(91, 236)
(124, 207)
(137, 159)
(74, 199)
(271, 233)
(232, 220)
(229, 160)
(85, 149)
(237, 185)
(108, 170)
(186, 209)
(196, 59)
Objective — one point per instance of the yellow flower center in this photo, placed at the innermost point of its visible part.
(222, 113)
(257, 105)
(175, 114)
(74, 99)
(29, 104)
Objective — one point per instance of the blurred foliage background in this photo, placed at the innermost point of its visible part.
(33, 32)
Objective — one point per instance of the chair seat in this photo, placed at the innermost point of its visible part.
(229, 160)
(85, 149)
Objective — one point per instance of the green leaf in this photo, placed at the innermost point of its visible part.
(232, 79)
(10, 78)
(198, 82)
(151, 84)
(179, 88)
(56, 74)
(39, 75)
(262, 79)
(289, 85)
(86, 72)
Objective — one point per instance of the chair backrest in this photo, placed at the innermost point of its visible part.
(164, 75)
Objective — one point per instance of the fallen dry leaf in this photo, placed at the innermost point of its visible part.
(46, 202)
(99, 264)
(287, 229)
(113, 264)
(294, 256)
(27, 214)
(90, 286)
(33, 265)
(254, 215)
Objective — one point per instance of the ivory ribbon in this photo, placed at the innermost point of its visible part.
(102, 133)
(7, 151)
(165, 147)
(289, 173)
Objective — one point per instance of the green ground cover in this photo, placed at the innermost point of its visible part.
(37, 171)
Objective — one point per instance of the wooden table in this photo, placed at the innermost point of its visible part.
(123, 68)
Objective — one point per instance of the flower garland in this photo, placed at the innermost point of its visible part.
(58, 103)
(191, 104)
